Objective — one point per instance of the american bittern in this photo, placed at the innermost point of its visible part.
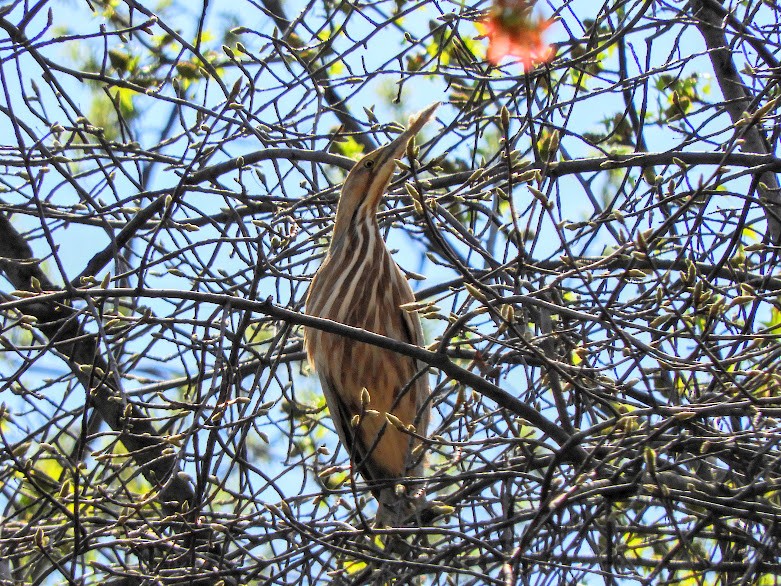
(360, 285)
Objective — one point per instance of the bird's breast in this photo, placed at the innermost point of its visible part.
(361, 286)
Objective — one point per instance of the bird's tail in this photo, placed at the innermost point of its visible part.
(396, 507)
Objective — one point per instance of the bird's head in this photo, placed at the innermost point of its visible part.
(369, 178)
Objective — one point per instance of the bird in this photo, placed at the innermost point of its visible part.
(359, 284)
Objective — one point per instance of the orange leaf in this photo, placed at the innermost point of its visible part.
(512, 32)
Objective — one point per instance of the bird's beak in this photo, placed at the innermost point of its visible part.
(416, 122)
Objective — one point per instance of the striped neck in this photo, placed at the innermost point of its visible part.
(352, 223)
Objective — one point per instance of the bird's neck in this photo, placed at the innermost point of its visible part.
(353, 225)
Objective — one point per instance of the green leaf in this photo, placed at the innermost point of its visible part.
(349, 147)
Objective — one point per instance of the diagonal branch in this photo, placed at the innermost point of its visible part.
(737, 102)
(570, 449)
(60, 323)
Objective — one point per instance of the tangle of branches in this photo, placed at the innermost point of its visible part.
(593, 244)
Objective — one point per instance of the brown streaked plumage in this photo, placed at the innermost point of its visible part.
(360, 285)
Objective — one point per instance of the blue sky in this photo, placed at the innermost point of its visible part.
(274, 104)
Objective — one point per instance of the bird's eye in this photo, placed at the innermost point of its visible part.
(368, 164)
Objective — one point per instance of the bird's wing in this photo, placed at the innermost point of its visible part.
(410, 325)
(413, 334)
(342, 415)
